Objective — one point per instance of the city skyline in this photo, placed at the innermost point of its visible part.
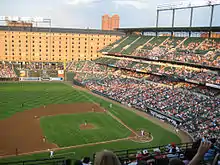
(87, 13)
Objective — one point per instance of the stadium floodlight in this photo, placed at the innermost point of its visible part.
(187, 4)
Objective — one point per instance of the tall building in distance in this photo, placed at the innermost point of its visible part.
(110, 23)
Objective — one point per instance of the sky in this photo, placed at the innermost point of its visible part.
(88, 13)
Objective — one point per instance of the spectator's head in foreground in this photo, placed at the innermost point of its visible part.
(106, 158)
(175, 161)
(86, 160)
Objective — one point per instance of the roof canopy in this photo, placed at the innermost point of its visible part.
(170, 29)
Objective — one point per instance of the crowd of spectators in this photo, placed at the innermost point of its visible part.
(200, 152)
(181, 71)
(195, 51)
(199, 114)
(7, 71)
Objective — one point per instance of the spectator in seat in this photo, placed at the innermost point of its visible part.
(106, 158)
(147, 158)
(132, 159)
(86, 161)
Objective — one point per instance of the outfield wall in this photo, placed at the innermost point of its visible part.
(41, 79)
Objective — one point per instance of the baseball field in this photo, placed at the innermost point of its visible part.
(35, 117)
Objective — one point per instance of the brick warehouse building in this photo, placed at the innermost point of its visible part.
(37, 44)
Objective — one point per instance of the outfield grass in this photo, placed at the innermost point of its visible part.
(33, 95)
(64, 130)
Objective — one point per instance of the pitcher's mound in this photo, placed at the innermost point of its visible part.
(87, 126)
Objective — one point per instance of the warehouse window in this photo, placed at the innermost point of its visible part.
(5, 54)
(72, 51)
(19, 41)
(12, 40)
(20, 54)
(5, 49)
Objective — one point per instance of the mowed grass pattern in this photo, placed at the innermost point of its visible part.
(64, 130)
(33, 95)
(37, 94)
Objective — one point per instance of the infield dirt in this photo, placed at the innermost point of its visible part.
(23, 131)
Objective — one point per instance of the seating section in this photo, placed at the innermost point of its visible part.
(193, 50)
(191, 44)
(180, 71)
(107, 48)
(156, 41)
(141, 41)
(126, 42)
(172, 42)
(208, 45)
(171, 99)
(7, 71)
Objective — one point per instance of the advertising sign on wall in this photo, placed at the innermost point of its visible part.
(61, 73)
(22, 73)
